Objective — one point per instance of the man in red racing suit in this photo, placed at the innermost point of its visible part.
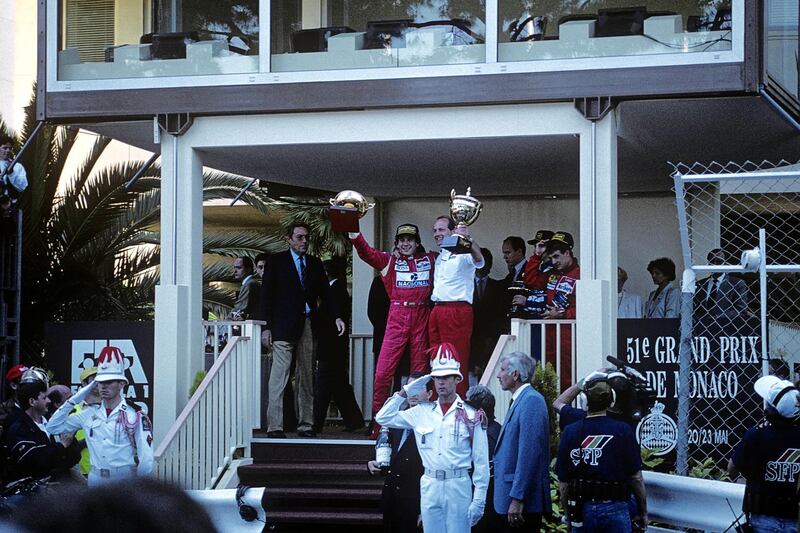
(408, 280)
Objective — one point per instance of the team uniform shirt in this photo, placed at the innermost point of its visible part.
(407, 278)
(561, 289)
(598, 448)
(454, 279)
(769, 458)
(445, 440)
(115, 440)
(535, 275)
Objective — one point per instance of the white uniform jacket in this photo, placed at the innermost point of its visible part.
(443, 441)
(110, 439)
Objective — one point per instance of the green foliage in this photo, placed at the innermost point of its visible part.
(707, 469)
(198, 379)
(545, 381)
(553, 522)
(649, 460)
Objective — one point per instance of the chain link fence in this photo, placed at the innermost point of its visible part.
(741, 322)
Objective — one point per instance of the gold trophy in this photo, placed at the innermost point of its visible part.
(346, 209)
(464, 210)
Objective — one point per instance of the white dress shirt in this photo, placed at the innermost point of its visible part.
(454, 277)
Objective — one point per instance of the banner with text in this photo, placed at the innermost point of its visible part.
(726, 361)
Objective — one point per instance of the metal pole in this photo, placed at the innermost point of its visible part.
(174, 209)
(684, 370)
(141, 171)
(244, 190)
(25, 146)
(762, 280)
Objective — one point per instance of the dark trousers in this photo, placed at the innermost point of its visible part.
(333, 383)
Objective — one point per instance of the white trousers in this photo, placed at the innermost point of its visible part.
(101, 477)
(445, 504)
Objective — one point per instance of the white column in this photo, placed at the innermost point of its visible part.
(178, 310)
(363, 274)
(596, 298)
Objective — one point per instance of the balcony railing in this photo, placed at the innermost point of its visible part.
(103, 40)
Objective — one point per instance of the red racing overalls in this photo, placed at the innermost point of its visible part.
(409, 282)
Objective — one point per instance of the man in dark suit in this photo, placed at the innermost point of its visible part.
(246, 306)
(332, 355)
(488, 308)
(294, 284)
(721, 295)
(522, 455)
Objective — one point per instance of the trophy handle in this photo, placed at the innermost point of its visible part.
(452, 193)
(370, 205)
(332, 202)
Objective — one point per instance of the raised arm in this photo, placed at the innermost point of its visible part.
(62, 421)
(374, 258)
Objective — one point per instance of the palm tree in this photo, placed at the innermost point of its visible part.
(91, 246)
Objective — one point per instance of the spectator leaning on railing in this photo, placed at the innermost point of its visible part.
(12, 180)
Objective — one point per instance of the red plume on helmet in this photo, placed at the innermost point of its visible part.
(445, 361)
(110, 365)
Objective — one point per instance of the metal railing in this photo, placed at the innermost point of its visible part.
(545, 340)
(219, 418)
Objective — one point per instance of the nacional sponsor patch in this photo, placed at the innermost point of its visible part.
(565, 285)
(410, 280)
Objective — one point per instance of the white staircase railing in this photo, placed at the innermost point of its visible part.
(549, 335)
(219, 418)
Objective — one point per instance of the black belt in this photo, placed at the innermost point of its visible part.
(599, 491)
(770, 505)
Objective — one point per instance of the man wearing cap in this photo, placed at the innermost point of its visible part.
(451, 438)
(119, 437)
(522, 454)
(11, 406)
(453, 288)
(408, 278)
(598, 466)
(769, 459)
(560, 300)
(538, 266)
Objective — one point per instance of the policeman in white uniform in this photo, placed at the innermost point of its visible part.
(451, 438)
(118, 436)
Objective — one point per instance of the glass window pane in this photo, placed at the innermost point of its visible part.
(107, 39)
(562, 29)
(347, 34)
(781, 43)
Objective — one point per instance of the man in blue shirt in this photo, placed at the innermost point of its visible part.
(769, 458)
(598, 465)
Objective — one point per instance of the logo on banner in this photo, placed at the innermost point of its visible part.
(591, 449)
(785, 468)
(85, 351)
(657, 432)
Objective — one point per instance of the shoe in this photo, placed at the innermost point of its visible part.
(306, 433)
(369, 428)
(353, 429)
(277, 434)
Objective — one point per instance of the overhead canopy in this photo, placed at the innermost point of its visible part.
(651, 134)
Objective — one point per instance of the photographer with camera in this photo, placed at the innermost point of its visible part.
(633, 397)
(13, 180)
(599, 465)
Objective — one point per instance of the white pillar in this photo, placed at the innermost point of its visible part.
(596, 298)
(363, 274)
(178, 309)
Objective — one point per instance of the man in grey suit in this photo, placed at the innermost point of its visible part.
(721, 295)
(522, 455)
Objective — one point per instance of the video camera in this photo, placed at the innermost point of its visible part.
(635, 397)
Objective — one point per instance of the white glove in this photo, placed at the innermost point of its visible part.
(417, 386)
(353, 235)
(475, 512)
(79, 396)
